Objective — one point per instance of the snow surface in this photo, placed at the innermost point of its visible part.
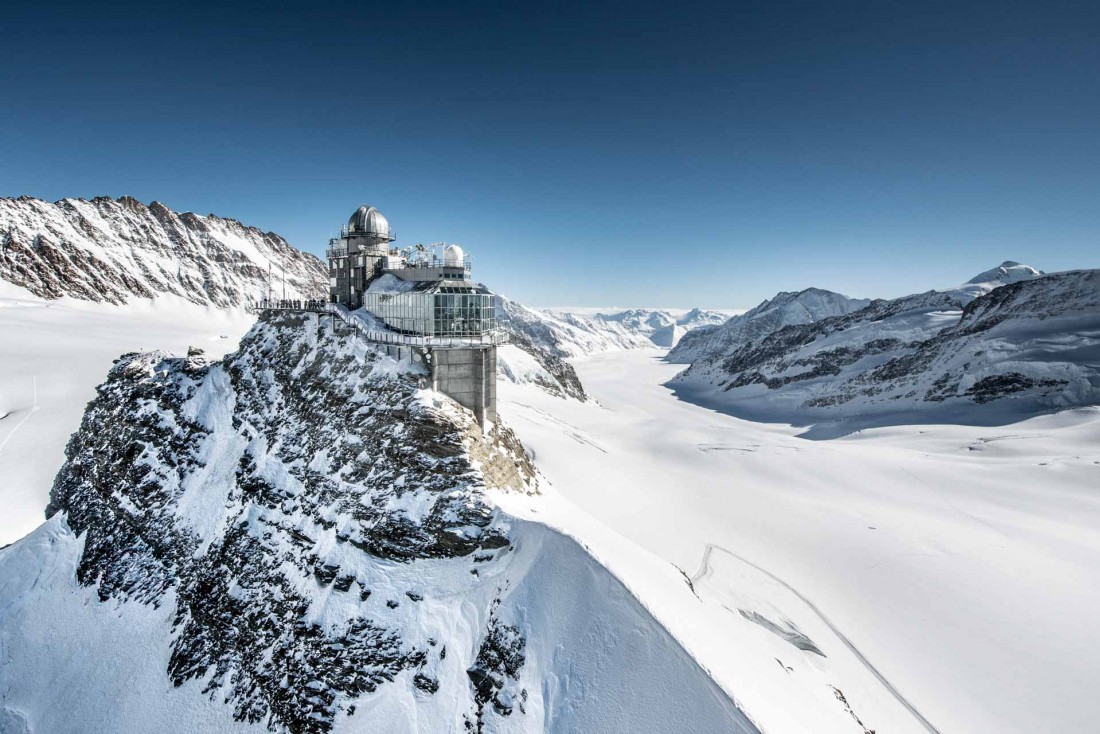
(596, 661)
(949, 574)
(54, 353)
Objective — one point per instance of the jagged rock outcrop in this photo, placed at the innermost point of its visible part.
(302, 538)
(358, 465)
(115, 250)
(1025, 346)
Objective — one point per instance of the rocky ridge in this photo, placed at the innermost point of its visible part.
(784, 309)
(179, 481)
(1024, 346)
(115, 250)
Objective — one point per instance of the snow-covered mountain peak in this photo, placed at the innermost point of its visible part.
(117, 250)
(1022, 345)
(1007, 272)
(783, 309)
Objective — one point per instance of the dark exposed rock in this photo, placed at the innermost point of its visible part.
(998, 386)
(495, 672)
(282, 439)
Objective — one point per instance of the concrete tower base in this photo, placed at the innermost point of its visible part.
(469, 376)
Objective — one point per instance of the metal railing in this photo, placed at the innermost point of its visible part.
(495, 337)
(428, 262)
(436, 262)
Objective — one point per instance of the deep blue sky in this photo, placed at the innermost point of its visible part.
(589, 154)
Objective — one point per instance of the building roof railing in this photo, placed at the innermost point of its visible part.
(435, 262)
(427, 262)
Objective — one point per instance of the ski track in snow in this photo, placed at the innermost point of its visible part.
(705, 571)
(27, 417)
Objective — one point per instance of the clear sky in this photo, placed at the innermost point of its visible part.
(661, 154)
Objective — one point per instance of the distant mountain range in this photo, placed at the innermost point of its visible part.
(1010, 342)
(550, 336)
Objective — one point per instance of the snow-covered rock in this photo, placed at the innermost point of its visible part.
(1020, 348)
(118, 250)
(301, 538)
(785, 309)
(1005, 273)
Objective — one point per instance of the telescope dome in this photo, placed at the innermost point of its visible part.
(368, 220)
(453, 256)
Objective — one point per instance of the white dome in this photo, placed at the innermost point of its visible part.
(453, 256)
(368, 220)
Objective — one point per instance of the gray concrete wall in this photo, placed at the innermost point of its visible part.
(469, 376)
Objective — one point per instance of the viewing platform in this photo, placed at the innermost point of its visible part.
(494, 337)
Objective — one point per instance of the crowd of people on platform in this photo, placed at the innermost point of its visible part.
(292, 304)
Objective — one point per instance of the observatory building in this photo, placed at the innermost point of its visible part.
(420, 299)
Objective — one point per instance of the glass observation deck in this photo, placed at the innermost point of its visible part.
(443, 310)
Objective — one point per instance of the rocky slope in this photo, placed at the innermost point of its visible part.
(300, 538)
(117, 250)
(1018, 348)
(786, 308)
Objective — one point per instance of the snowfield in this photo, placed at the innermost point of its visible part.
(54, 353)
(948, 575)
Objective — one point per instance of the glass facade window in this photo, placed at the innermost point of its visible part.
(449, 311)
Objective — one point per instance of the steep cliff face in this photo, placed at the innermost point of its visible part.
(115, 250)
(1026, 346)
(301, 538)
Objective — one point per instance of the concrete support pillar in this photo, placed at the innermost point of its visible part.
(469, 376)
